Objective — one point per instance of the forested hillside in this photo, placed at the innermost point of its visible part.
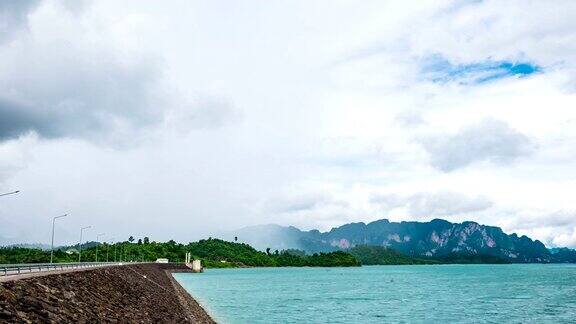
(213, 253)
(436, 239)
(378, 255)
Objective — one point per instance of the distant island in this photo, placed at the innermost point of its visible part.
(434, 241)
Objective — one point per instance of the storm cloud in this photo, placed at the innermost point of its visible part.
(95, 93)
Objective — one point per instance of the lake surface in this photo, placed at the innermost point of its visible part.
(383, 294)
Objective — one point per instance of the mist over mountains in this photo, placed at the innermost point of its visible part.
(435, 239)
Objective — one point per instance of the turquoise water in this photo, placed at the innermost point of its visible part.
(383, 294)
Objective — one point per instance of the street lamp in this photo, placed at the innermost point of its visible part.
(80, 243)
(114, 241)
(10, 193)
(98, 243)
(52, 245)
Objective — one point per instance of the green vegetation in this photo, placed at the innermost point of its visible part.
(378, 255)
(563, 255)
(219, 253)
(23, 255)
(214, 253)
(332, 259)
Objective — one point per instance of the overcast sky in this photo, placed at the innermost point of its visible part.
(177, 119)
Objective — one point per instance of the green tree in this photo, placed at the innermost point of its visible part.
(213, 253)
(371, 255)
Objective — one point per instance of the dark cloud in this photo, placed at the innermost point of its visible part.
(67, 93)
(491, 140)
(87, 93)
(73, 87)
(16, 119)
(66, 87)
(437, 204)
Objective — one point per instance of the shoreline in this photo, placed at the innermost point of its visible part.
(194, 309)
(138, 293)
(202, 305)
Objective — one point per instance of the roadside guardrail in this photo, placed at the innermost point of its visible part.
(16, 269)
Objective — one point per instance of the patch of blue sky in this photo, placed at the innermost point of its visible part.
(438, 69)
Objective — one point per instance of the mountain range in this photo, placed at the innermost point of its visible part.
(435, 239)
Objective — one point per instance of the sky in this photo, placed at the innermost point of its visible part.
(180, 119)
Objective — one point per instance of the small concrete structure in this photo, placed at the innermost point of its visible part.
(195, 265)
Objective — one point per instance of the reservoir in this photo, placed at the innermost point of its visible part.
(539, 293)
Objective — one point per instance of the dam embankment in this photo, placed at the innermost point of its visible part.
(138, 293)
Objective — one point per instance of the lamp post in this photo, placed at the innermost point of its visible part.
(80, 243)
(113, 240)
(10, 193)
(98, 243)
(107, 250)
(52, 245)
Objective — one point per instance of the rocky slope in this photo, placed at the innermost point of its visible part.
(129, 294)
(437, 238)
(563, 255)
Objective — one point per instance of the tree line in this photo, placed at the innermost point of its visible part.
(214, 253)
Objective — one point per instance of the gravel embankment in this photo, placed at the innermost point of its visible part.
(144, 293)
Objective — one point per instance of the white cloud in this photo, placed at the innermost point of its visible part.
(285, 112)
(491, 140)
(13, 17)
(556, 228)
(431, 205)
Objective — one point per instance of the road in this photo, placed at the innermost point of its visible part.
(9, 272)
